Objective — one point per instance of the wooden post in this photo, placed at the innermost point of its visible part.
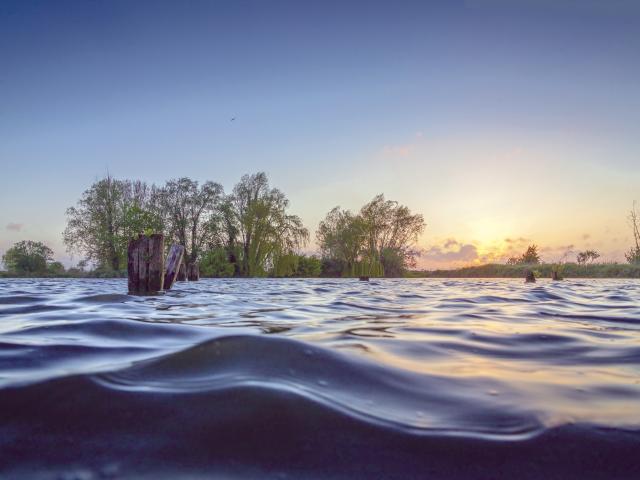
(193, 272)
(555, 275)
(182, 273)
(529, 277)
(145, 264)
(174, 262)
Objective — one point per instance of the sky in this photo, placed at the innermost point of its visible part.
(504, 123)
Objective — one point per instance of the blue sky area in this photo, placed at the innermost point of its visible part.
(503, 122)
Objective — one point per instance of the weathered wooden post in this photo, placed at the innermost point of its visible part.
(529, 277)
(555, 275)
(182, 273)
(193, 272)
(145, 264)
(174, 262)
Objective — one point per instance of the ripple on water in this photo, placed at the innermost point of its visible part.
(383, 363)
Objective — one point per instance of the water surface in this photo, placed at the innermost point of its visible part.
(320, 378)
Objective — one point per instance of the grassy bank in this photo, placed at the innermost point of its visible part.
(568, 270)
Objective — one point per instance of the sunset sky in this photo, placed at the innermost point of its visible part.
(503, 122)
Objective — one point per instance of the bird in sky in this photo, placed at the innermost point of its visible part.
(233, 118)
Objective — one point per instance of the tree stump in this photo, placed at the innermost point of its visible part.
(529, 277)
(193, 272)
(145, 264)
(182, 273)
(173, 265)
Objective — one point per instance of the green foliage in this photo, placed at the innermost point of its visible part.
(293, 265)
(376, 241)
(107, 215)
(368, 268)
(308, 266)
(543, 270)
(267, 234)
(190, 213)
(393, 262)
(530, 257)
(55, 269)
(215, 263)
(27, 258)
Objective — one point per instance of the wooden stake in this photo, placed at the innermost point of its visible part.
(173, 265)
(145, 264)
(529, 276)
(182, 273)
(193, 272)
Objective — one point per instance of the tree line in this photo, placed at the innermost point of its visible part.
(248, 232)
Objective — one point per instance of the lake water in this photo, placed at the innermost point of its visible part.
(321, 378)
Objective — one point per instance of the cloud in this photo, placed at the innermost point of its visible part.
(451, 242)
(451, 252)
(14, 227)
(517, 241)
(397, 150)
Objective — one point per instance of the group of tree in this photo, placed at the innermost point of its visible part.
(248, 232)
(31, 258)
(377, 241)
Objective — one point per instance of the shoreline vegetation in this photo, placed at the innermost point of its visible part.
(250, 232)
(492, 270)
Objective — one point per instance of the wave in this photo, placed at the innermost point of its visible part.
(320, 379)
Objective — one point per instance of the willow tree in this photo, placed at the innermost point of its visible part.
(391, 232)
(190, 213)
(264, 229)
(341, 237)
(379, 240)
(107, 215)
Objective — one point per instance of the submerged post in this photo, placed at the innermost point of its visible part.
(174, 263)
(193, 272)
(182, 273)
(145, 264)
(529, 277)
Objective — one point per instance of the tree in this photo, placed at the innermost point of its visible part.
(531, 256)
(264, 229)
(55, 268)
(27, 257)
(341, 236)
(107, 215)
(380, 237)
(633, 255)
(191, 213)
(215, 263)
(587, 256)
(308, 266)
(391, 230)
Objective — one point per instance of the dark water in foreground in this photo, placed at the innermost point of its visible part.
(320, 379)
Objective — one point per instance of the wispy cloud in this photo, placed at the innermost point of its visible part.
(451, 252)
(14, 227)
(397, 150)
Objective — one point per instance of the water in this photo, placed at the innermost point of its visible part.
(320, 379)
